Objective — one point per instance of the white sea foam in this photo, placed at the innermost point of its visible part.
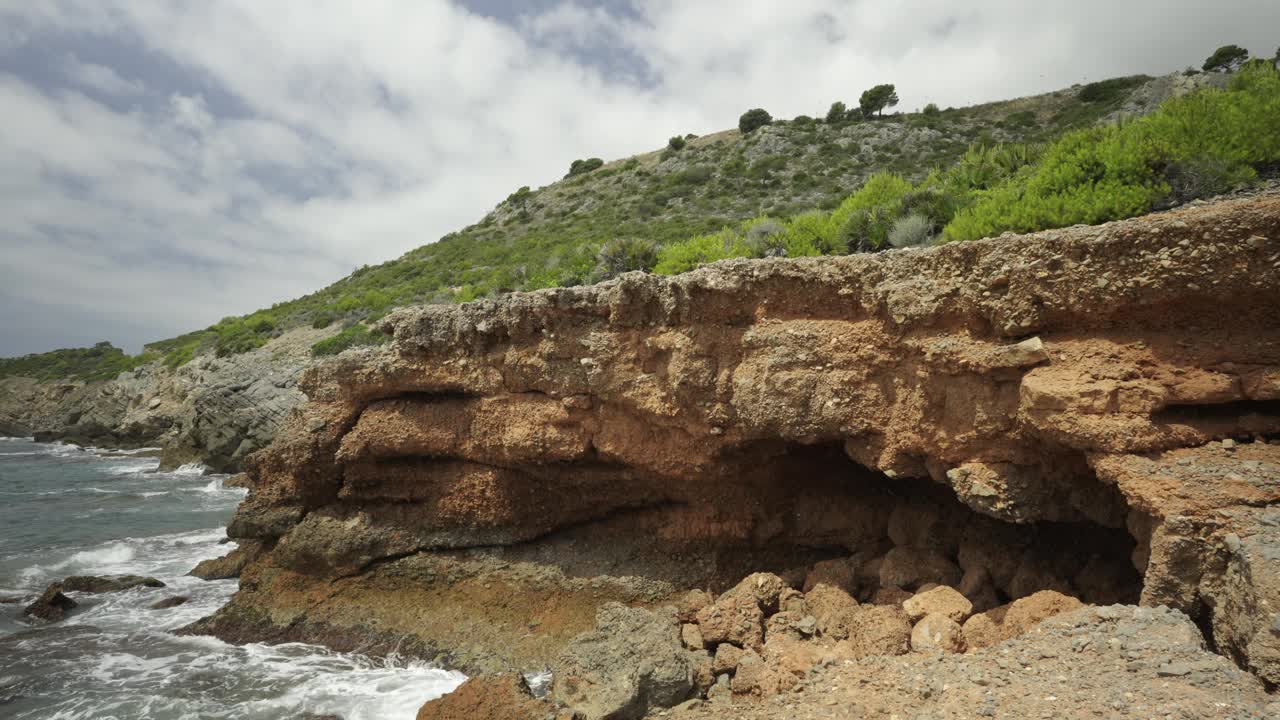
(190, 469)
(132, 467)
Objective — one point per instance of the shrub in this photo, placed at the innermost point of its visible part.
(803, 121)
(355, 336)
(1227, 58)
(753, 120)
(580, 167)
(1118, 171)
(875, 100)
(521, 196)
(837, 113)
(625, 254)
(322, 320)
(911, 230)
(931, 110)
(1202, 176)
(683, 256)
(676, 143)
(765, 236)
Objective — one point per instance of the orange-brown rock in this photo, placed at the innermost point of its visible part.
(944, 600)
(1016, 407)
(1008, 621)
(503, 697)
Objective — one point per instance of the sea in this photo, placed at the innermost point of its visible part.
(67, 510)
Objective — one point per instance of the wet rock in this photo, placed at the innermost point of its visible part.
(170, 602)
(502, 697)
(630, 664)
(51, 606)
(10, 600)
(108, 583)
(229, 565)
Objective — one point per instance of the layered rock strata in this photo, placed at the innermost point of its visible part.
(1027, 413)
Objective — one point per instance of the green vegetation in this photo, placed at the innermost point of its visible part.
(1213, 137)
(1227, 58)
(931, 110)
(580, 167)
(838, 113)
(753, 120)
(875, 100)
(807, 188)
(357, 335)
(676, 143)
(100, 362)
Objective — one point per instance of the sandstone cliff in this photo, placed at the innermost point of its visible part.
(1093, 410)
(213, 411)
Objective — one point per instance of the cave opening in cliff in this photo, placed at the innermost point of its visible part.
(879, 536)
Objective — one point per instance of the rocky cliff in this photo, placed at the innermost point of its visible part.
(213, 410)
(1093, 411)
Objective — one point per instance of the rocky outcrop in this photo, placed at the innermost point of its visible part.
(52, 605)
(212, 410)
(1003, 417)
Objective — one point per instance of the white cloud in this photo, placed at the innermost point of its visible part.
(301, 139)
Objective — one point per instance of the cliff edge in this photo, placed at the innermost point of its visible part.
(1093, 411)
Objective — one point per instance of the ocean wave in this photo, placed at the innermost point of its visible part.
(132, 467)
(196, 469)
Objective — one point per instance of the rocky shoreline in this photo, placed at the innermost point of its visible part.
(1027, 476)
(213, 411)
(1090, 412)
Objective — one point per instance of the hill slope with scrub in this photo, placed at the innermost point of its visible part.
(848, 181)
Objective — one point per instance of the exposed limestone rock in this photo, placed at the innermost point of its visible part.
(961, 415)
(229, 565)
(213, 411)
(631, 663)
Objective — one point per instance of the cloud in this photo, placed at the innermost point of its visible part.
(101, 78)
(187, 161)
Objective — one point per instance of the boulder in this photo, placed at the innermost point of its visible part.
(691, 636)
(632, 663)
(727, 659)
(501, 697)
(908, 567)
(690, 603)
(51, 606)
(170, 602)
(765, 589)
(937, 632)
(757, 678)
(108, 583)
(890, 596)
(978, 589)
(1008, 621)
(228, 566)
(831, 607)
(836, 573)
(877, 630)
(941, 600)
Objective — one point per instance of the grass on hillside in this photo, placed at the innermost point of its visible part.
(103, 361)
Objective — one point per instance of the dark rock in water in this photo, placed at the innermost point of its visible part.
(170, 602)
(229, 565)
(313, 716)
(10, 600)
(50, 606)
(108, 583)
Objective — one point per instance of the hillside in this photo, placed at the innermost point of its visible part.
(552, 236)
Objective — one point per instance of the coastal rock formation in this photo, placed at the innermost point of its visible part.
(213, 411)
(1090, 411)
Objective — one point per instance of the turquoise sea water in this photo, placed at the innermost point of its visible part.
(67, 511)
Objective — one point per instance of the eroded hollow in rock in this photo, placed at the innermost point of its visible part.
(811, 514)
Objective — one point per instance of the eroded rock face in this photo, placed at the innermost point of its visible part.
(955, 416)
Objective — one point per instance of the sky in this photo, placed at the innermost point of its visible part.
(167, 163)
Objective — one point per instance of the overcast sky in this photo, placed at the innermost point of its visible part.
(165, 163)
